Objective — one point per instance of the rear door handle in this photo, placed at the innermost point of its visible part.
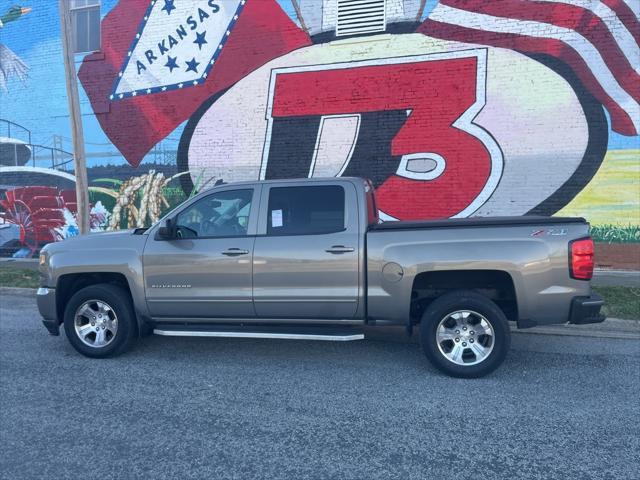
(337, 249)
(232, 252)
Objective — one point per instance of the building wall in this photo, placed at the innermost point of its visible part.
(460, 109)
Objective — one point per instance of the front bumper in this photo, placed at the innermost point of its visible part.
(586, 310)
(46, 299)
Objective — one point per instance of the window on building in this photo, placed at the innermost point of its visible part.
(306, 210)
(358, 17)
(85, 25)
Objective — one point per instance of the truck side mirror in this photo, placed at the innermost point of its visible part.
(168, 230)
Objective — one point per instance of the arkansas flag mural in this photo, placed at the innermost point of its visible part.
(473, 108)
(144, 72)
(162, 59)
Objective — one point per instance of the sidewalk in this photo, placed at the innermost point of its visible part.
(601, 277)
(616, 278)
(20, 263)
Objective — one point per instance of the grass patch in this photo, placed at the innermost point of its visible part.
(17, 277)
(615, 233)
(620, 302)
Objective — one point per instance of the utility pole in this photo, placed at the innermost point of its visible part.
(77, 134)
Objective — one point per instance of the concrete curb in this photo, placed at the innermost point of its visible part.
(615, 278)
(602, 276)
(610, 328)
(23, 292)
(20, 263)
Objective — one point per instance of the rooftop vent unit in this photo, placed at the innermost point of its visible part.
(360, 16)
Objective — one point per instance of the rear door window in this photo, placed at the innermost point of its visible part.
(309, 210)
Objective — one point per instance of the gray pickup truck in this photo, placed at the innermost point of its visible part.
(309, 259)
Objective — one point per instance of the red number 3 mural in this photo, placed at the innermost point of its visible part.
(415, 132)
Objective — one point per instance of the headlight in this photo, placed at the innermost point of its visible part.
(43, 259)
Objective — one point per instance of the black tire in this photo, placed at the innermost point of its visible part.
(467, 300)
(119, 301)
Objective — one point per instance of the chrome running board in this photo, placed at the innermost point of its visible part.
(279, 335)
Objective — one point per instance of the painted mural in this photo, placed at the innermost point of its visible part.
(452, 108)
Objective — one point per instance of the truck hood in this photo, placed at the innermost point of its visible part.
(117, 252)
(96, 240)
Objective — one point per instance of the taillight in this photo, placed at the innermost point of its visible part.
(581, 259)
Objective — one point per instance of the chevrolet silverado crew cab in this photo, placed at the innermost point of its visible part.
(309, 259)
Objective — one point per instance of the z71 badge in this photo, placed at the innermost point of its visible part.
(551, 231)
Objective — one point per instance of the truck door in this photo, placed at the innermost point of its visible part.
(305, 261)
(206, 271)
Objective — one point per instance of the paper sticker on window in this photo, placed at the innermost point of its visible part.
(276, 218)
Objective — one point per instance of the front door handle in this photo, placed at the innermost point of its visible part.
(337, 249)
(232, 252)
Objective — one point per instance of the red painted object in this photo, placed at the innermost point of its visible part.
(38, 212)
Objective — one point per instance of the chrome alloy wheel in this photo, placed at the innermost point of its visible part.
(96, 323)
(465, 337)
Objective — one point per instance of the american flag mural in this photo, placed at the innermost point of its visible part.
(599, 40)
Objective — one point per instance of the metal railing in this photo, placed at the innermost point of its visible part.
(7, 124)
(38, 155)
(48, 157)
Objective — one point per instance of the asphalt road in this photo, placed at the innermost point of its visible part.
(560, 407)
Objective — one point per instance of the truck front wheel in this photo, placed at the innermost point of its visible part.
(464, 334)
(99, 321)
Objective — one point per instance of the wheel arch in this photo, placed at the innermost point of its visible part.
(497, 285)
(68, 284)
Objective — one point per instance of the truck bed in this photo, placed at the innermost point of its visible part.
(532, 250)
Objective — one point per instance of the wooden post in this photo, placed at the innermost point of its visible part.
(77, 134)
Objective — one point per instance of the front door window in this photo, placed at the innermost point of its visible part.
(222, 214)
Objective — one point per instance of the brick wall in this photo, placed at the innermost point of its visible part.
(445, 118)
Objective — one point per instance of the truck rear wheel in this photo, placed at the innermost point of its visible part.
(99, 321)
(465, 334)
